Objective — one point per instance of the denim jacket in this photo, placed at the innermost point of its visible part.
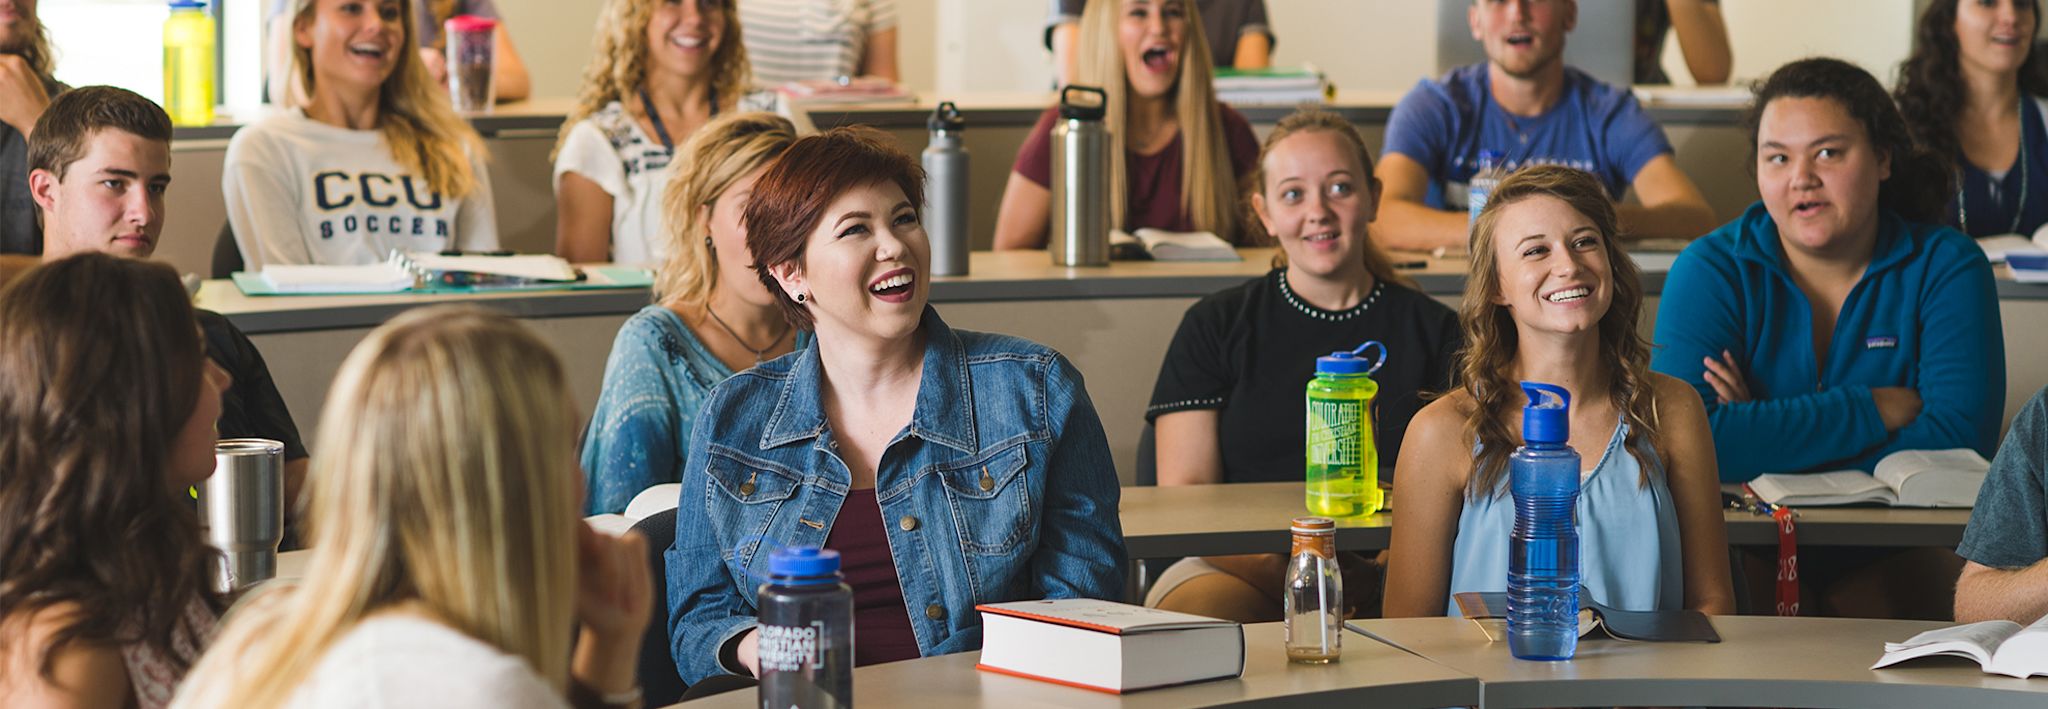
(654, 383)
(1000, 489)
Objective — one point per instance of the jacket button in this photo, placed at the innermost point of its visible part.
(987, 483)
(935, 612)
(907, 523)
(746, 488)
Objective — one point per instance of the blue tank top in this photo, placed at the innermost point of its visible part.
(1629, 556)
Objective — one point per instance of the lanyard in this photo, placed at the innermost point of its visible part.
(661, 129)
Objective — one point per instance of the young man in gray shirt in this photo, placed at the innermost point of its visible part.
(2006, 544)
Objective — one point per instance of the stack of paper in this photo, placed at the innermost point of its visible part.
(387, 277)
(855, 90)
(1275, 86)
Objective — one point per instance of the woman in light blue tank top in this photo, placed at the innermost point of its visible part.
(1551, 297)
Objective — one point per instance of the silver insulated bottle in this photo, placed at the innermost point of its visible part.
(945, 192)
(1080, 179)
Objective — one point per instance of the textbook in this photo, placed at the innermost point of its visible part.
(1944, 478)
(1272, 86)
(1107, 646)
(1162, 245)
(1489, 610)
(1999, 646)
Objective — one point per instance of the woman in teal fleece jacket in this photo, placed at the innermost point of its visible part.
(1835, 321)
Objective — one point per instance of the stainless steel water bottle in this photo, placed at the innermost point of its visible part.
(945, 192)
(242, 506)
(1080, 179)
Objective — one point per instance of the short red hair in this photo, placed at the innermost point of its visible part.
(791, 197)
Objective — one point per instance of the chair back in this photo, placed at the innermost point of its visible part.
(659, 681)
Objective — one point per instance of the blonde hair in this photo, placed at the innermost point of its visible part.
(1208, 182)
(444, 478)
(1314, 119)
(1487, 362)
(420, 126)
(618, 62)
(706, 165)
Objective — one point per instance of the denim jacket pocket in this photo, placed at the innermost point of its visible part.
(990, 499)
(743, 499)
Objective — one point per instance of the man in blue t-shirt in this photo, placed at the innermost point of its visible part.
(2006, 543)
(1528, 107)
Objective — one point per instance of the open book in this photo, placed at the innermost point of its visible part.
(2000, 646)
(1946, 478)
(1489, 610)
(1162, 245)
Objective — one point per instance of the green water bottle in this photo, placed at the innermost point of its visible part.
(188, 64)
(1343, 463)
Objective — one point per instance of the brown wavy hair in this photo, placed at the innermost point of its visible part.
(1931, 92)
(1316, 119)
(100, 360)
(1487, 362)
(618, 62)
(1922, 182)
(790, 198)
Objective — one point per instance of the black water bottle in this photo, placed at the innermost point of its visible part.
(806, 632)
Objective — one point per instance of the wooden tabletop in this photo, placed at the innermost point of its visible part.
(1761, 661)
(1247, 518)
(1369, 674)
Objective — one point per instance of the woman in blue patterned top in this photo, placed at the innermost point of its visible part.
(712, 317)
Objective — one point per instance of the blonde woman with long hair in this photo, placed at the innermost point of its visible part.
(1551, 297)
(712, 316)
(658, 72)
(1227, 404)
(449, 565)
(1176, 154)
(368, 157)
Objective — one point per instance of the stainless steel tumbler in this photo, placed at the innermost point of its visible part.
(1080, 179)
(242, 506)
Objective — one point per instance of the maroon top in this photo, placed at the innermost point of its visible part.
(881, 625)
(1154, 179)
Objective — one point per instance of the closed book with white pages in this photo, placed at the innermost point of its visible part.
(1107, 646)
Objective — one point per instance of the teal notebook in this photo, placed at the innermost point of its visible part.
(600, 278)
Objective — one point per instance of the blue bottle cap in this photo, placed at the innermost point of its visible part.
(187, 4)
(1353, 362)
(1546, 421)
(800, 562)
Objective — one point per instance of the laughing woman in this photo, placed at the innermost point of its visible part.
(1176, 154)
(659, 71)
(947, 467)
(1554, 299)
(374, 161)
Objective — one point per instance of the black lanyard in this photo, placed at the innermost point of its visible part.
(661, 129)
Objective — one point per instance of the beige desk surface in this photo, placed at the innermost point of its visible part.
(1370, 674)
(1768, 661)
(1246, 518)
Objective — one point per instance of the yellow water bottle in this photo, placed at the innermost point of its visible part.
(1343, 463)
(188, 64)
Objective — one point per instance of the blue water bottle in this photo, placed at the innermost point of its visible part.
(1480, 187)
(806, 642)
(1543, 563)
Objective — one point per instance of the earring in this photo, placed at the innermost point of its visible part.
(800, 298)
(707, 242)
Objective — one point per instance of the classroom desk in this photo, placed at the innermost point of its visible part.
(1250, 518)
(1113, 322)
(1370, 674)
(1761, 661)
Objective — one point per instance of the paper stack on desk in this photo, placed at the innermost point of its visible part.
(386, 277)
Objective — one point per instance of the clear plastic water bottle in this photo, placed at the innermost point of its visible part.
(1543, 559)
(1482, 184)
(188, 64)
(1343, 464)
(945, 191)
(806, 631)
(1314, 606)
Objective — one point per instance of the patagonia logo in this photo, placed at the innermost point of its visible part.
(1880, 343)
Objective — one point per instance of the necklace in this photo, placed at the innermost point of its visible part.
(760, 354)
(660, 128)
(2018, 210)
(1326, 315)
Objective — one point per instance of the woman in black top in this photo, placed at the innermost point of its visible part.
(1228, 404)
